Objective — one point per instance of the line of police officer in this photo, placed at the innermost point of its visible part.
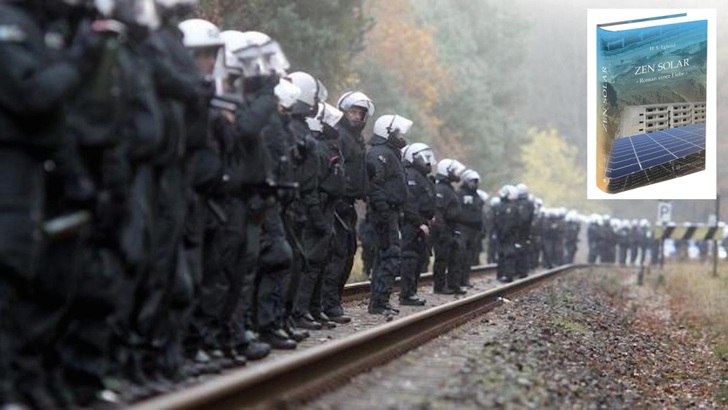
(613, 240)
(173, 201)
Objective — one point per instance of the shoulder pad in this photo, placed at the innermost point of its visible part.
(11, 33)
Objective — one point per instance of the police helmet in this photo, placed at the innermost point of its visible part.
(450, 168)
(309, 91)
(357, 99)
(470, 175)
(386, 125)
(522, 190)
(483, 195)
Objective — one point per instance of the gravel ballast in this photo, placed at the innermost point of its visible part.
(588, 339)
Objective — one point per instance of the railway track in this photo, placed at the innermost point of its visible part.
(305, 375)
(360, 290)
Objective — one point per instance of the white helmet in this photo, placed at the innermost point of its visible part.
(495, 201)
(538, 202)
(233, 40)
(308, 85)
(505, 190)
(450, 168)
(644, 223)
(199, 33)
(287, 93)
(512, 192)
(387, 124)
(259, 44)
(483, 195)
(470, 175)
(411, 151)
(356, 99)
(326, 114)
(104, 7)
(522, 190)
(571, 216)
(173, 3)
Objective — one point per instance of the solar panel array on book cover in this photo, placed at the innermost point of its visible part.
(645, 159)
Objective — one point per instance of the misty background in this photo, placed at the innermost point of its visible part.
(499, 85)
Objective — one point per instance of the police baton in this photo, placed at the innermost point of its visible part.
(66, 225)
(217, 210)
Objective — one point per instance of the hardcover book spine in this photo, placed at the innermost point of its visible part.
(603, 143)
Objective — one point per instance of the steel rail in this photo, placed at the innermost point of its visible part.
(303, 376)
(358, 290)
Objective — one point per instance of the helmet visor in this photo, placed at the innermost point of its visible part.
(400, 124)
(274, 57)
(426, 156)
(252, 61)
(145, 14)
(331, 115)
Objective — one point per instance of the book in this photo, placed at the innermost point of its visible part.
(651, 100)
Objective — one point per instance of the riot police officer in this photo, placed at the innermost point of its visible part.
(470, 223)
(445, 235)
(525, 208)
(386, 196)
(507, 224)
(357, 108)
(419, 210)
(35, 81)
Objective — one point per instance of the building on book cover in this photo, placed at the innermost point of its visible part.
(651, 104)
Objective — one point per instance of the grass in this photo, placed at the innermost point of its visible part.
(570, 326)
(702, 297)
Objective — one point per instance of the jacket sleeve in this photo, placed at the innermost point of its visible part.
(172, 81)
(452, 208)
(376, 175)
(252, 117)
(28, 83)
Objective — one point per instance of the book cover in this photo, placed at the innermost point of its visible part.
(651, 100)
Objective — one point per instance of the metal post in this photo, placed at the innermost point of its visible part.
(715, 241)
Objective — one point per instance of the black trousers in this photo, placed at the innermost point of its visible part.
(386, 228)
(274, 267)
(414, 250)
(447, 251)
(343, 251)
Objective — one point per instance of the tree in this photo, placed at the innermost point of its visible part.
(553, 172)
(400, 68)
(480, 43)
(320, 37)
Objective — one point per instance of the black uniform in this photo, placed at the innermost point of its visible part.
(387, 195)
(418, 210)
(332, 181)
(608, 253)
(623, 244)
(33, 87)
(537, 228)
(523, 247)
(507, 224)
(635, 242)
(445, 237)
(491, 231)
(593, 237)
(353, 150)
(571, 240)
(368, 247)
(470, 226)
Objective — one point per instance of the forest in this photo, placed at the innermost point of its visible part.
(500, 86)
